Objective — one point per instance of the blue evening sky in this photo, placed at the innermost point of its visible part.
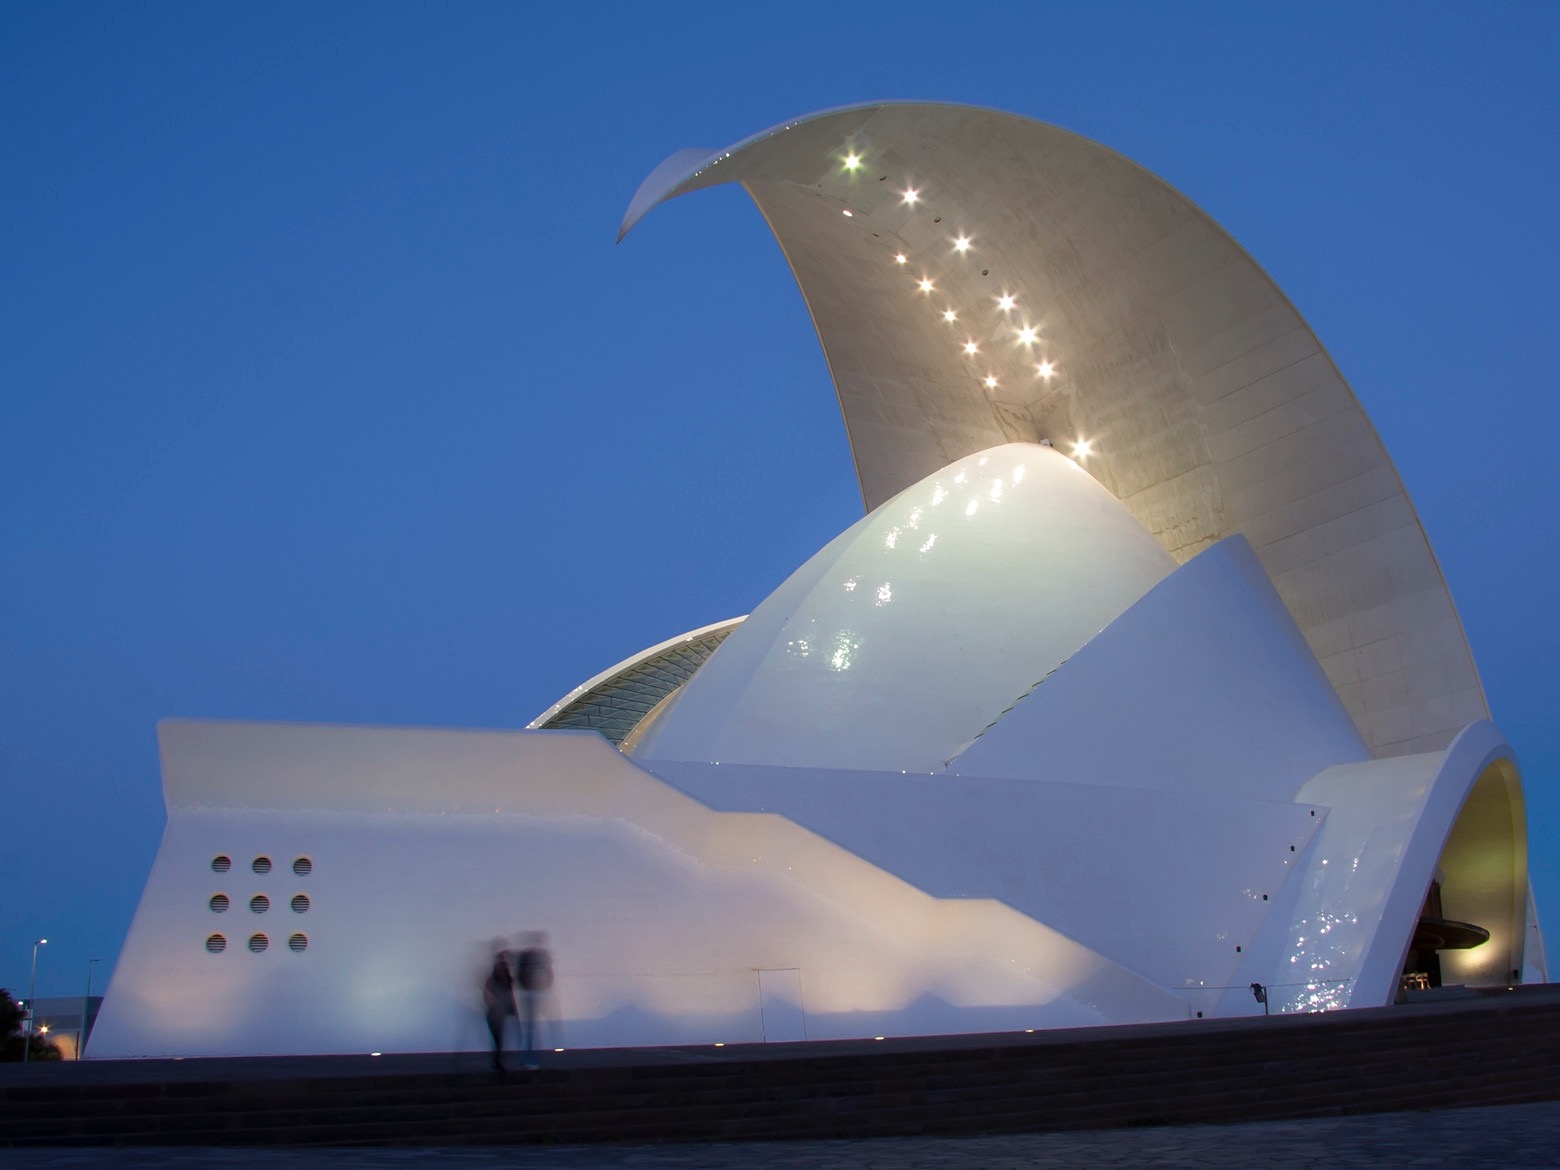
(328, 396)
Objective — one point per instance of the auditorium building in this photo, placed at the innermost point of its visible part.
(1137, 693)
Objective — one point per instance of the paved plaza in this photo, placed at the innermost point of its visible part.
(1509, 1136)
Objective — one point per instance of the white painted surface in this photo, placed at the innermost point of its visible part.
(426, 845)
(916, 628)
(1204, 686)
(782, 1011)
(1163, 884)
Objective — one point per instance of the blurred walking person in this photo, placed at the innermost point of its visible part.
(498, 997)
(533, 973)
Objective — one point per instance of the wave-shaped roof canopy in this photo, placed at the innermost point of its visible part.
(978, 278)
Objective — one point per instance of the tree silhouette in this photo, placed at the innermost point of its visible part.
(11, 1016)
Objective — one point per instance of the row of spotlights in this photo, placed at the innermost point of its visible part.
(1027, 336)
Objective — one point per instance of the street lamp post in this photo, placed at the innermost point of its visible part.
(32, 989)
(86, 1002)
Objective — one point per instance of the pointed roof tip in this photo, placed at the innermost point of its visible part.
(663, 183)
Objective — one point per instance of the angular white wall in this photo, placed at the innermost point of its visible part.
(663, 915)
(1205, 686)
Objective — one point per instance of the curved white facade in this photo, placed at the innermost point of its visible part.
(911, 632)
(1040, 741)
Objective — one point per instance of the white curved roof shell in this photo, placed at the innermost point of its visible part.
(978, 278)
(915, 629)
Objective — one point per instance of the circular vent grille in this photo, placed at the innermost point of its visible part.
(259, 903)
(258, 943)
(300, 903)
(222, 863)
(298, 942)
(216, 944)
(303, 867)
(219, 903)
(261, 865)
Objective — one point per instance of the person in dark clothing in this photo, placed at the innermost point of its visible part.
(498, 997)
(533, 973)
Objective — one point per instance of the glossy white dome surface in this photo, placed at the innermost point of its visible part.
(915, 629)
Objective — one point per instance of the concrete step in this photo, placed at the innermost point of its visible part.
(1477, 1052)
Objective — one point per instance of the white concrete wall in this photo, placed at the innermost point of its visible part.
(424, 845)
(1204, 686)
(1174, 887)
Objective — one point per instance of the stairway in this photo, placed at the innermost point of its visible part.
(1497, 1048)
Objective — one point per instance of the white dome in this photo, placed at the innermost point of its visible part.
(921, 624)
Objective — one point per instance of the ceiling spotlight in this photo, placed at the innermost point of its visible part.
(950, 315)
(1045, 370)
(1028, 335)
(961, 244)
(991, 381)
(970, 347)
(1006, 302)
(849, 212)
(901, 258)
(912, 196)
(852, 161)
(1082, 448)
(925, 285)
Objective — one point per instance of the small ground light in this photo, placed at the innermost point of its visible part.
(557, 1050)
(720, 1044)
(376, 1053)
(877, 1037)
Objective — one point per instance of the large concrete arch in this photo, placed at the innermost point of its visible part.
(979, 278)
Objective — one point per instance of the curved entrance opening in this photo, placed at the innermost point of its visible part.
(1472, 927)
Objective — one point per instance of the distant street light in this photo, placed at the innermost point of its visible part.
(32, 989)
(86, 1002)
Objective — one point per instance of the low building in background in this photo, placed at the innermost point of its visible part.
(1136, 695)
(58, 1020)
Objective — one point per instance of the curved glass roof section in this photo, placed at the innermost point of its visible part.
(615, 701)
